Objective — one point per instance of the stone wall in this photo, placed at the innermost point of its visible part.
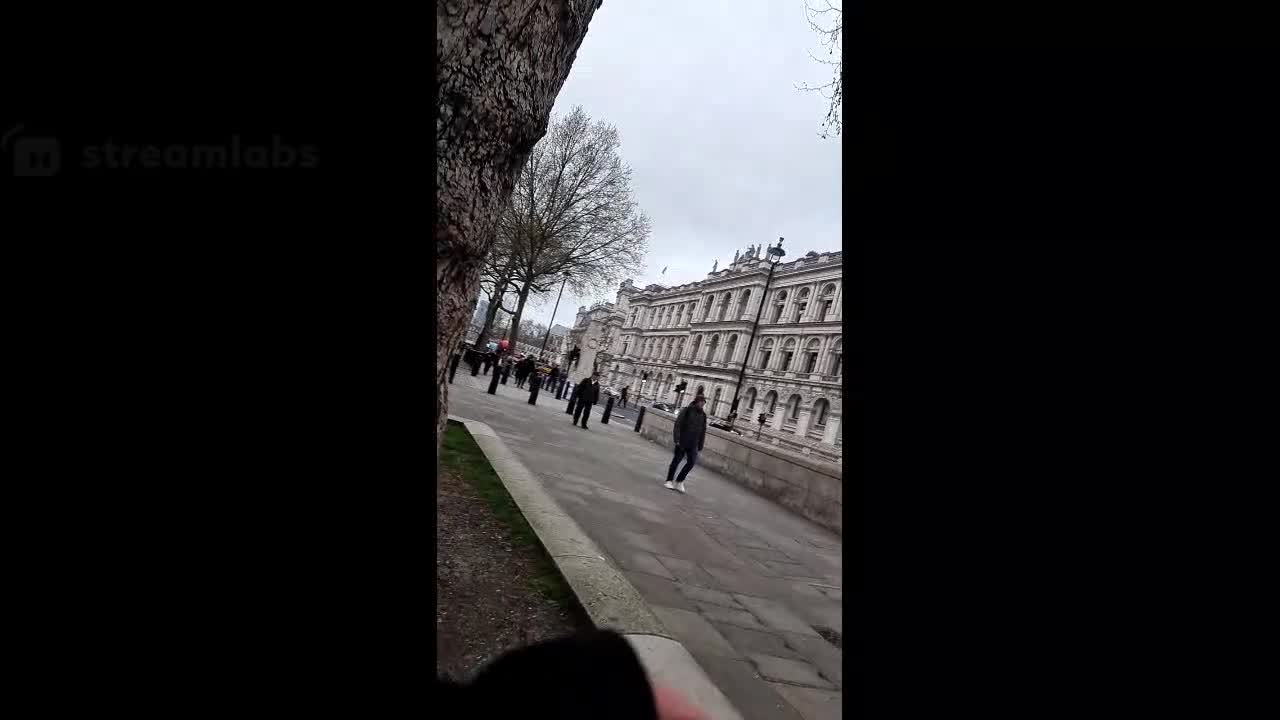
(813, 489)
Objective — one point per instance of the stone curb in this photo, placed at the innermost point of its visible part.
(609, 599)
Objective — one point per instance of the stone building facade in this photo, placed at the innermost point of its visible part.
(699, 333)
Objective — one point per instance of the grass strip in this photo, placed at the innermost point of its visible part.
(460, 454)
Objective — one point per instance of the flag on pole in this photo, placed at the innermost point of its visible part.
(664, 269)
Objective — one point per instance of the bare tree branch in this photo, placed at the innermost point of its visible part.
(828, 23)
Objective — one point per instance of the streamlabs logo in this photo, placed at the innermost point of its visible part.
(32, 156)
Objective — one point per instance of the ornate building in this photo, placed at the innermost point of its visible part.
(699, 333)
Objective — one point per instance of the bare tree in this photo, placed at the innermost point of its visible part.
(573, 211)
(499, 67)
(533, 331)
(828, 23)
(496, 281)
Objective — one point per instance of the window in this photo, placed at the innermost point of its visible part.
(712, 347)
(724, 307)
(715, 402)
(751, 399)
(771, 402)
(730, 348)
(802, 302)
(793, 406)
(697, 343)
(766, 351)
(742, 304)
(811, 356)
(708, 301)
(820, 413)
(837, 353)
(827, 299)
(780, 301)
(788, 354)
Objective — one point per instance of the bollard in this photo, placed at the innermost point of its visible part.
(493, 382)
(608, 410)
(453, 366)
(640, 419)
(572, 393)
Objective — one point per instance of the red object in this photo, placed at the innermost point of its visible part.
(503, 344)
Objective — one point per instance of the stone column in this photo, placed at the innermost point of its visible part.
(833, 427)
(802, 422)
(779, 415)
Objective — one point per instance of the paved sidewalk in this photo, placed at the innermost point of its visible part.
(740, 581)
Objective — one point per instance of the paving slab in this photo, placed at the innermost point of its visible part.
(775, 615)
(813, 704)
(826, 657)
(695, 632)
(701, 538)
(707, 595)
(758, 641)
(755, 697)
(659, 591)
(788, 670)
(729, 616)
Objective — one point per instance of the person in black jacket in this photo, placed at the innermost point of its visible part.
(690, 432)
(588, 395)
(624, 396)
(591, 675)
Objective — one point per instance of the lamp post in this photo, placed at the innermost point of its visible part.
(774, 255)
(553, 315)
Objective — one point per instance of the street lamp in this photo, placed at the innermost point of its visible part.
(774, 256)
(553, 315)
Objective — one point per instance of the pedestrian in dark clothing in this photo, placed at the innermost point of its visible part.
(624, 396)
(690, 432)
(588, 394)
(593, 674)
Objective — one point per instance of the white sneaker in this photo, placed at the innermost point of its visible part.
(671, 485)
(680, 487)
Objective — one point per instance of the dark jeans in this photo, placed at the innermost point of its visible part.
(681, 453)
(624, 401)
(583, 409)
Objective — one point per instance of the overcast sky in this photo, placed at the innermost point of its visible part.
(725, 150)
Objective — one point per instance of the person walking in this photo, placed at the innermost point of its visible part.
(690, 432)
(624, 396)
(588, 395)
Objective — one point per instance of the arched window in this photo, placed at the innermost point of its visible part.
(708, 301)
(779, 302)
(837, 355)
(626, 341)
(712, 347)
(723, 310)
(826, 299)
(793, 408)
(715, 402)
(697, 343)
(700, 390)
(751, 398)
(766, 352)
(770, 402)
(788, 354)
(802, 302)
(730, 348)
(693, 308)
(820, 413)
(811, 356)
(741, 307)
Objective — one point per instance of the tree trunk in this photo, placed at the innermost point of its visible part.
(499, 68)
(515, 319)
(495, 302)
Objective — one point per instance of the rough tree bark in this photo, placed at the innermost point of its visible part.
(499, 68)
